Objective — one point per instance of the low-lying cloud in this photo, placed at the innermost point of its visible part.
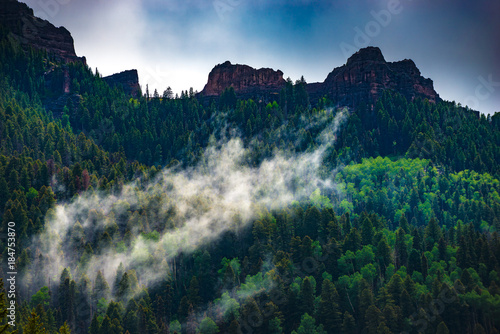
(190, 207)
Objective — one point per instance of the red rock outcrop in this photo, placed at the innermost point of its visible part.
(366, 75)
(363, 78)
(32, 31)
(244, 79)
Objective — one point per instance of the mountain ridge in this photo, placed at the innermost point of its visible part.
(363, 78)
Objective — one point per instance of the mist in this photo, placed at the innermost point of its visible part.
(188, 208)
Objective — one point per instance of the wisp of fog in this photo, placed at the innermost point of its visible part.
(189, 207)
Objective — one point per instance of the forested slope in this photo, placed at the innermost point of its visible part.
(397, 233)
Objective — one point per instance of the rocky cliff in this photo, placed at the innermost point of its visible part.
(244, 79)
(31, 31)
(367, 74)
(363, 78)
(129, 80)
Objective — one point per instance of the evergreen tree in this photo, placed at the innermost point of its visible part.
(275, 326)
(383, 253)
(101, 287)
(193, 292)
(124, 290)
(64, 329)
(119, 276)
(353, 240)
(442, 329)
(328, 309)
(307, 296)
(414, 262)
(34, 325)
(308, 326)
(366, 231)
(348, 324)
(432, 233)
(401, 251)
(373, 318)
(312, 222)
(105, 327)
(94, 325)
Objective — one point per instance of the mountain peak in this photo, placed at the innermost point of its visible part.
(370, 53)
(243, 78)
(128, 80)
(363, 78)
(367, 74)
(227, 63)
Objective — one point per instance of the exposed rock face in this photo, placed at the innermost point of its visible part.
(32, 31)
(244, 79)
(366, 75)
(129, 80)
(362, 79)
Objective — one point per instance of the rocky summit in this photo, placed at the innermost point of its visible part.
(129, 80)
(363, 78)
(367, 74)
(243, 78)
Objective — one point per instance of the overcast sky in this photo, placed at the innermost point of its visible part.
(176, 43)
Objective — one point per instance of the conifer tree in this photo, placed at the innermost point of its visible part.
(307, 296)
(328, 309)
(94, 325)
(34, 325)
(373, 318)
(401, 251)
(348, 324)
(366, 231)
(64, 329)
(442, 328)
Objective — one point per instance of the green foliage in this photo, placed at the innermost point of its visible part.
(64, 329)
(392, 189)
(230, 306)
(415, 211)
(175, 327)
(34, 325)
(42, 297)
(308, 326)
(320, 201)
(208, 326)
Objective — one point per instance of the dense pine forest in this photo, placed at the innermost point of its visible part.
(130, 217)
